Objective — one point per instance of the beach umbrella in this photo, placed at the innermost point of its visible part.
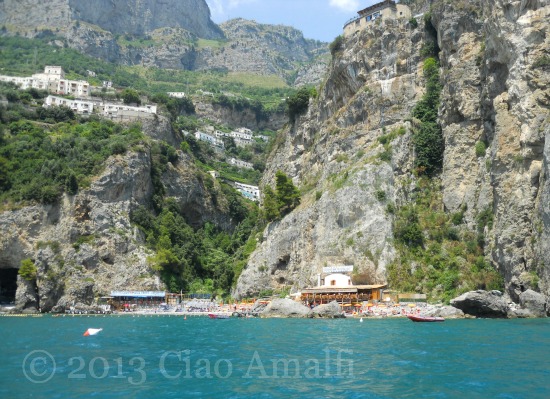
(412, 305)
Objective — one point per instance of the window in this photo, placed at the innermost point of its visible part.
(332, 282)
(369, 18)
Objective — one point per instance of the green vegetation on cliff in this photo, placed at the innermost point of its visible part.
(437, 255)
(40, 159)
(206, 259)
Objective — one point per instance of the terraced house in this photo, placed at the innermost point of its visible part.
(52, 80)
(387, 9)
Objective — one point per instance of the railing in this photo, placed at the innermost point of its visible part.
(356, 18)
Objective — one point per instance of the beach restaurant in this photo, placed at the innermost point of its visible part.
(335, 284)
(129, 299)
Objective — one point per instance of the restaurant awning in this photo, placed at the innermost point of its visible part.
(370, 287)
(330, 290)
(138, 294)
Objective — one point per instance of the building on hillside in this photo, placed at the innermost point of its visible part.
(116, 112)
(262, 137)
(241, 164)
(123, 113)
(213, 141)
(248, 191)
(78, 106)
(53, 80)
(335, 284)
(214, 173)
(244, 130)
(176, 94)
(241, 138)
(107, 84)
(387, 9)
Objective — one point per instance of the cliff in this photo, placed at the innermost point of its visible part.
(353, 155)
(84, 246)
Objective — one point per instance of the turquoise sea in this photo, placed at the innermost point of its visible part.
(173, 357)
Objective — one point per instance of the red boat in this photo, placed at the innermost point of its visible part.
(428, 319)
(218, 316)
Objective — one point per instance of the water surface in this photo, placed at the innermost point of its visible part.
(170, 357)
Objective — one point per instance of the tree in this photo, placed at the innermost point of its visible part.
(336, 45)
(288, 195)
(71, 184)
(298, 103)
(27, 270)
(130, 96)
(4, 174)
(271, 206)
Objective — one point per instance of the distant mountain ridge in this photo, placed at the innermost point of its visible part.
(173, 34)
(137, 17)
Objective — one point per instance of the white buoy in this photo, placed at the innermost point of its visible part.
(360, 321)
(92, 331)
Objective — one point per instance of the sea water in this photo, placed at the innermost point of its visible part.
(195, 357)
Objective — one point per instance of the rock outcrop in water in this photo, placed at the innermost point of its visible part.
(482, 304)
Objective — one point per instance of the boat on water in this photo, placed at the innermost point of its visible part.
(419, 318)
(218, 316)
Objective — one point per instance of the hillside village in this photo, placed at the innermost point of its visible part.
(77, 96)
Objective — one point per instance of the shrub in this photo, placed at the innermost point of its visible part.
(27, 270)
(298, 103)
(336, 45)
(481, 148)
(380, 195)
(542, 62)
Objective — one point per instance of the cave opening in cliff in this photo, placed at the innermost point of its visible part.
(8, 285)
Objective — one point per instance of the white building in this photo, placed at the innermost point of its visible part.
(336, 280)
(78, 106)
(241, 136)
(176, 94)
(250, 192)
(241, 164)
(209, 139)
(52, 80)
(108, 110)
(121, 112)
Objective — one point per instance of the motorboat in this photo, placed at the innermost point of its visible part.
(428, 319)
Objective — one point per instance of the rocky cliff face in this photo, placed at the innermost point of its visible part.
(333, 154)
(496, 92)
(494, 72)
(135, 17)
(85, 246)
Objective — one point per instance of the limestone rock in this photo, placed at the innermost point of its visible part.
(482, 303)
(330, 310)
(534, 302)
(285, 308)
(448, 312)
(26, 297)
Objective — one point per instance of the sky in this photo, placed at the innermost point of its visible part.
(317, 19)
